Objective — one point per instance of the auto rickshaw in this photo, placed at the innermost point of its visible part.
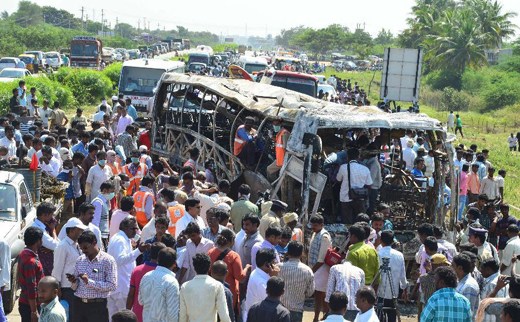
(28, 59)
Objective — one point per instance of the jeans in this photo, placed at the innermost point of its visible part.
(373, 195)
(462, 204)
(3, 318)
(296, 316)
(25, 312)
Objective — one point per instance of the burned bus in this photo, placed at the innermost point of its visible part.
(205, 112)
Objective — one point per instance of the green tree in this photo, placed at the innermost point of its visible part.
(286, 35)
(384, 37)
(28, 14)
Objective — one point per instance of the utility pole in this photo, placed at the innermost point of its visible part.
(144, 24)
(138, 24)
(158, 26)
(82, 21)
(102, 22)
(148, 25)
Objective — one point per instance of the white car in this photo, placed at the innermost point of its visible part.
(327, 89)
(12, 74)
(9, 62)
(53, 59)
(321, 79)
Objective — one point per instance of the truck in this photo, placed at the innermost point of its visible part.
(17, 212)
(86, 51)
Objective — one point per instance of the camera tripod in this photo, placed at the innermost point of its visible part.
(385, 273)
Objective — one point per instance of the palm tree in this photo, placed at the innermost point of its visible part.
(495, 24)
(460, 43)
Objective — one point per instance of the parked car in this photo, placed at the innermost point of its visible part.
(11, 74)
(17, 212)
(28, 59)
(9, 62)
(133, 53)
(53, 59)
(123, 54)
(40, 55)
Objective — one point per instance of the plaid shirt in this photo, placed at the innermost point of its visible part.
(30, 272)
(468, 286)
(446, 305)
(102, 276)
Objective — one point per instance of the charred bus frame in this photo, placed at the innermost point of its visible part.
(205, 112)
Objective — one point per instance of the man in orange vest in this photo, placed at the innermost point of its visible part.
(144, 201)
(244, 146)
(282, 136)
(175, 210)
(135, 171)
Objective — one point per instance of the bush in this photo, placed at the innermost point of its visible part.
(502, 93)
(112, 72)
(88, 86)
(454, 100)
(444, 78)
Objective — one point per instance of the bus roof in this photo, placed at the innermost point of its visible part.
(286, 73)
(253, 60)
(153, 64)
(273, 101)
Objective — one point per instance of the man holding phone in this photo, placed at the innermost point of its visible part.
(93, 279)
(120, 247)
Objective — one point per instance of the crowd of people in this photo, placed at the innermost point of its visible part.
(144, 240)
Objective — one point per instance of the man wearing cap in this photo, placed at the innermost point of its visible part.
(512, 250)
(244, 146)
(273, 218)
(65, 256)
(115, 105)
(477, 236)
(409, 155)
(291, 220)
(427, 281)
(282, 136)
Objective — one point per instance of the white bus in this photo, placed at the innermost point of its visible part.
(140, 76)
(253, 65)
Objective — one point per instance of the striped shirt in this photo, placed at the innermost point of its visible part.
(159, 296)
(469, 287)
(102, 276)
(345, 278)
(299, 284)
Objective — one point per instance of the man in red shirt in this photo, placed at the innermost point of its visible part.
(144, 137)
(135, 280)
(30, 272)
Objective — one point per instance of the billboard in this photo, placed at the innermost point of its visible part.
(401, 74)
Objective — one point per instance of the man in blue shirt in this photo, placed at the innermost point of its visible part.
(22, 93)
(446, 305)
(82, 146)
(130, 109)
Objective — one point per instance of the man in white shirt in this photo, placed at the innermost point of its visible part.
(65, 256)
(489, 186)
(98, 117)
(205, 292)
(207, 201)
(394, 260)
(409, 155)
(124, 120)
(5, 273)
(44, 113)
(195, 245)
(48, 163)
(46, 222)
(365, 300)
(451, 122)
(98, 174)
(120, 247)
(86, 215)
(352, 175)
(8, 141)
(192, 214)
(513, 142)
(159, 290)
(512, 249)
(337, 307)
(257, 284)
(347, 279)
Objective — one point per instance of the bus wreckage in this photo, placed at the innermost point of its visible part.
(205, 112)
